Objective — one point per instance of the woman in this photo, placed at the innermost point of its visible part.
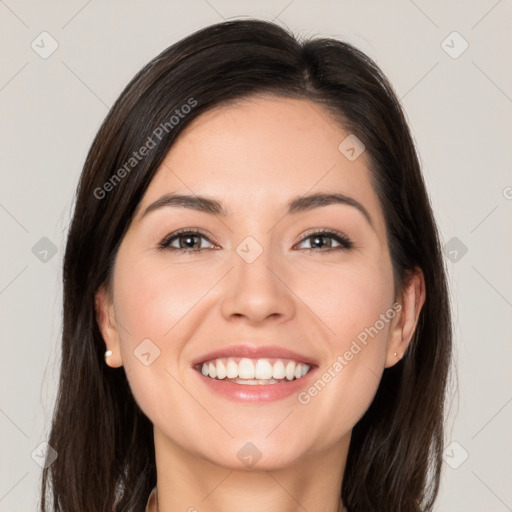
(256, 313)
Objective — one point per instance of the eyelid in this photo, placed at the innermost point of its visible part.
(344, 241)
(164, 244)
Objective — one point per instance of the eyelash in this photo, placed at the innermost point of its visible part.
(345, 243)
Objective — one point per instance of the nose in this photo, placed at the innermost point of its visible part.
(258, 290)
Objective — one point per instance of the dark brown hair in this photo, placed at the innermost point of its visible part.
(104, 442)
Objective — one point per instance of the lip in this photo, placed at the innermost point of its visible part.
(258, 392)
(256, 352)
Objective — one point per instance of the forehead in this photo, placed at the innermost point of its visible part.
(259, 152)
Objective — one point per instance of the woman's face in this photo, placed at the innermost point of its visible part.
(264, 279)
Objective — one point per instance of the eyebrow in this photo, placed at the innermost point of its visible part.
(214, 207)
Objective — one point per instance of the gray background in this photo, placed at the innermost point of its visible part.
(459, 105)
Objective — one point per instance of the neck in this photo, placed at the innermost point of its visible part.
(192, 483)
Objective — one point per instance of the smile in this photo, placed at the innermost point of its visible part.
(254, 371)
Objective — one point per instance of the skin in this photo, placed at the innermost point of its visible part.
(255, 156)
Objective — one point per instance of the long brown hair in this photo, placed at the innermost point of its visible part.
(104, 442)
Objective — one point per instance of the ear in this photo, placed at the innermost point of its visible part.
(108, 326)
(402, 329)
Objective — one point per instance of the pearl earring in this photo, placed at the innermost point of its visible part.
(108, 353)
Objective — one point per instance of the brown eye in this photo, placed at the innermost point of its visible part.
(187, 240)
(325, 240)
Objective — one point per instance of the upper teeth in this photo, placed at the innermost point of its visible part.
(254, 369)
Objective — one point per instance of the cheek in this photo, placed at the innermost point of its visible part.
(152, 297)
(357, 306)
(159, 307)
(154, 304)
(348, 299)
